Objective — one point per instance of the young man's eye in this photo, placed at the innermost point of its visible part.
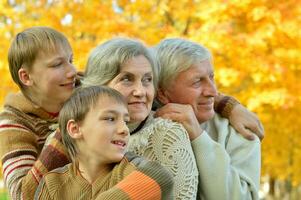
(57, 64)
(111, 119)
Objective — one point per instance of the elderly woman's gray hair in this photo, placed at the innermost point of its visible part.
(106, 59)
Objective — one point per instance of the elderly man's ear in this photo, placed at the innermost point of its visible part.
(162, 96)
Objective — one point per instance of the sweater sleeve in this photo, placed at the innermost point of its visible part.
(224, 105)
(150, 181)
(23, 164)
(169, 144)
(229, 168)
(42, 191)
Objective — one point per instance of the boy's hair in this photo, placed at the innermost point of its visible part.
(106, 59)
(78, 105)
(26, 46)
(176, 55)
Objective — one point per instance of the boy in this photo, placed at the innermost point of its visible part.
(94, 131)
(40, 62)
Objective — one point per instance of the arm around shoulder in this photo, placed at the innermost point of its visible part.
(23, 164)
(150, 181)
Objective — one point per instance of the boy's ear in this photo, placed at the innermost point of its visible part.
(162, 96)
(24, 77)
(74, 129)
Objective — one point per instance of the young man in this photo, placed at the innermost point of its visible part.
(40, 63)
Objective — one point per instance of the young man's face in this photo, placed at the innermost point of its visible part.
(104, 131)
(195, 86)
(52, 76)
(135, 83)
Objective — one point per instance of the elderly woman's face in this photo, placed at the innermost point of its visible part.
(135, 83)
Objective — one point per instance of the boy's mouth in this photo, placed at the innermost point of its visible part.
(119, 143)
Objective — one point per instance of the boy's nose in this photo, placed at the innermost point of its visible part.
(123, 128)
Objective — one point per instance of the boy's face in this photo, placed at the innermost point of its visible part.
(52, 77)
(104, 132)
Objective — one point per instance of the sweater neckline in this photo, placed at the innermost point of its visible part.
(139, 127)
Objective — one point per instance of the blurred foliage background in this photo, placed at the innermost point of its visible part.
(256, 46)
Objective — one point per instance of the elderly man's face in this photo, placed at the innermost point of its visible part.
(196, 87)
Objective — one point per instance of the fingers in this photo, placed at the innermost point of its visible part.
(256, 130)
(173, 116)
(174, 108)
(245, 132)
(256, 127)
(261, 129)
(246, 123)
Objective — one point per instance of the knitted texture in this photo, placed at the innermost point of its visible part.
(167, 142)
(23, 131)
(133, 178)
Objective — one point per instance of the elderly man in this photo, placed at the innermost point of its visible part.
(228, 164)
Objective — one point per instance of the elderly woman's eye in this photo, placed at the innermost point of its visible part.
(125, 79)
(148, 79)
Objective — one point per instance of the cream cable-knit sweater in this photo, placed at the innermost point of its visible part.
(229, 165)
(167, 142)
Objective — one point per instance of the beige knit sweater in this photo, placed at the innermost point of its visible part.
(167, 142)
